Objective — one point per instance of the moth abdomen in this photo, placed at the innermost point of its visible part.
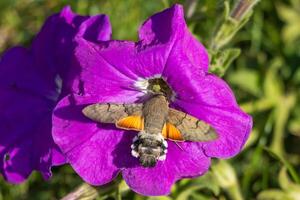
(149, 148)
(148, 160)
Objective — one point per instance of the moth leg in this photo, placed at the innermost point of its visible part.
(178, 145)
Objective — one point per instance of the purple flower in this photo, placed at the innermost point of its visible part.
(117, 71)
(31, 83)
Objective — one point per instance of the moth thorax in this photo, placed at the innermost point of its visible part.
(149, 148)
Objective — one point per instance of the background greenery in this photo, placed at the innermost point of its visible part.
(265, 77)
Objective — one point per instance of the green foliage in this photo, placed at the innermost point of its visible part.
(258, 54)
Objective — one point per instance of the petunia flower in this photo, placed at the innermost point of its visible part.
(121, 72)
(31, 83)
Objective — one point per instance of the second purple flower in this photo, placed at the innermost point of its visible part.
(32, 81)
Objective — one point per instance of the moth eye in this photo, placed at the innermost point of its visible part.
(156, 88)
(135, 139)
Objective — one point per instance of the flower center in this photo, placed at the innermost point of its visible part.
(155, 85)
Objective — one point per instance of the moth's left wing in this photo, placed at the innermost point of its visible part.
(183, 127)
(124, 116)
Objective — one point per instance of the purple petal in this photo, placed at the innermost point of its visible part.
(162, 36)
(185, 161)
(169, 28)
(60, 29)
(209, 98)
(232, 125)
(17, 70)
(31, 82)
(95, 29)
(132, 60)
(53, 47)
(25, 140)
(26, 106)
(95, 151)
(96, 76)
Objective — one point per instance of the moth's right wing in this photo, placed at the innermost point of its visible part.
(181, 126)
(125, 116)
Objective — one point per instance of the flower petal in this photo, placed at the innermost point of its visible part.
(169, 28)
(25, 140)
(134, 60)
(95, 29)
(96, 76)
(161, 36)
(26, 101)
(53, 47)
(209, 98)
(30, 85)
(17, 70)
(183, 161)
(232, 125)
(94, 150)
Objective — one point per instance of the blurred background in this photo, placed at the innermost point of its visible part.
(261, 58)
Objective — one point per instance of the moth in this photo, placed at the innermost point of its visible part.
(155, 121)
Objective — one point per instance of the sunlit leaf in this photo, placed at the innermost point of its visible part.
(192, 186)
(273, 194)
(247, 80)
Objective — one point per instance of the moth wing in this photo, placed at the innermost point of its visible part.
(190, 128)
(131, 123)
(171, 132)
(111, 112)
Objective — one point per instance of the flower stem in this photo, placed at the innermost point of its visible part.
(241, 8)
(234, 192)
(118, 193)
(190, 7)
(84, 191)
(231, 23)
(226, 178)
(165, 3)
(87, 192)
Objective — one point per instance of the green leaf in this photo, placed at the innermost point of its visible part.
(273, 194)
(160, 198)
(286, 184)
(227, 179)
(252, 138)
(273, 86)
(230, 25)
(221, 60)
(282, 113)
(289, 167)
(294, 127)
(247, 80)
(206, 181)
(283, 179)
(257, 106)
(291, 16)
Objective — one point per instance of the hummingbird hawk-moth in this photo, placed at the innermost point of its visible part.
(155, 121)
